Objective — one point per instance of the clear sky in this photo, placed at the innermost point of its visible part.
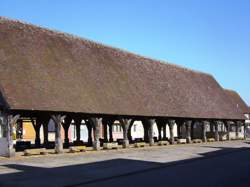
(208, 35)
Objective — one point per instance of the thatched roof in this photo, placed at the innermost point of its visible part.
(41, 69)
(239, 104)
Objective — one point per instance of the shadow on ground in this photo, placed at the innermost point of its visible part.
(224, 167)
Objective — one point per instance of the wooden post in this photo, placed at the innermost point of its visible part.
(216, 133)
(204, 133)
(96, 123)
(37, 125)
(159, 132)
(188, 131)
(11, 121)
(66, 125)
(78, 122)
(58, 119)
(89, 126)
(245, 131)
(125, 126)
(160, 125)
(238, 125)
(145, 128)
(228, 130)
(150, 131)
(111, 132)
(171, 129)
(105, 130)
(129, 130)
(164, 132)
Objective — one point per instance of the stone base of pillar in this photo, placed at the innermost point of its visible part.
(96, 145)
(11, 153)
(125, 144)
(189, 140)
(217, 138)
(151, 142)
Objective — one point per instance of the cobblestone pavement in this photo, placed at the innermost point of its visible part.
(92, 167)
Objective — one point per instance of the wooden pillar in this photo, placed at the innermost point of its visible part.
(145, 127)
(228, 123)
(96, 123)
(183, 126)
(188, 131)
(171, 130)
(105, 134)
(45, 121)
(245, 131)
(164, 132)
(58, 119)
(37, 125)
(66, 135)
(37, 130)
(149, 123)
(129, 131)
(125, 126)
(179, 129)
(110, 124)
(204, 133)
(212, 127)
(105, 130)
(238, 125)
(192, 129)
(66, 126)
(78, 121)
(216, 133)
(45, 133)
(159, 127)
(10, 121)
(89, 127)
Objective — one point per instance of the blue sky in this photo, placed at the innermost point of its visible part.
(208, 35)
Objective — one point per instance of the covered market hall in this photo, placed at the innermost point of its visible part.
(48, 77)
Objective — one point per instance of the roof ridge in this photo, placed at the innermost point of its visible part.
(127, 52)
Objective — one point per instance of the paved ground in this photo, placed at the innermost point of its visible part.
(213, 164)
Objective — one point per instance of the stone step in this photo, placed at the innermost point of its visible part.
(112, 145)
(40, 151)
(74, 149)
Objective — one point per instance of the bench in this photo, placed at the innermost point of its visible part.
(140, 144)
(74, 149)
(182, 141)
(29, 152)
(210, 140)
(113, 145)
(197, 141)
(160, 143)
